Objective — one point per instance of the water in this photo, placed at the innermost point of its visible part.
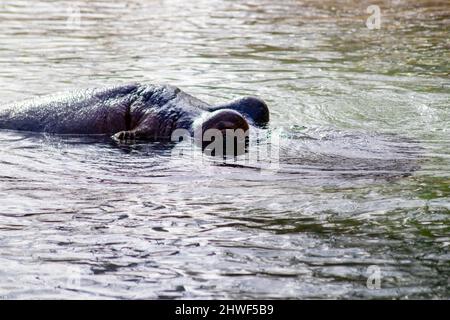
(363, 178)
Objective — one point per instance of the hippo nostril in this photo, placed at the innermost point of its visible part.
(230, 126)
(224, 132)
(252, 108)
(225, 119)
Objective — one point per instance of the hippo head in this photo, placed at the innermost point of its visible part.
(222, 133)
(252, 108)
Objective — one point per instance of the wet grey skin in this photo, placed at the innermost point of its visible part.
(133, 111)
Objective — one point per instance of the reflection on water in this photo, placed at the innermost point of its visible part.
(363, 159)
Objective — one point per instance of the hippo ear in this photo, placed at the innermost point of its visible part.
(253, 109)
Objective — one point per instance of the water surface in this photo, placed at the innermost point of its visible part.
(363, 176)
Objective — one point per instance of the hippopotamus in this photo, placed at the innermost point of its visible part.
(131, 111)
